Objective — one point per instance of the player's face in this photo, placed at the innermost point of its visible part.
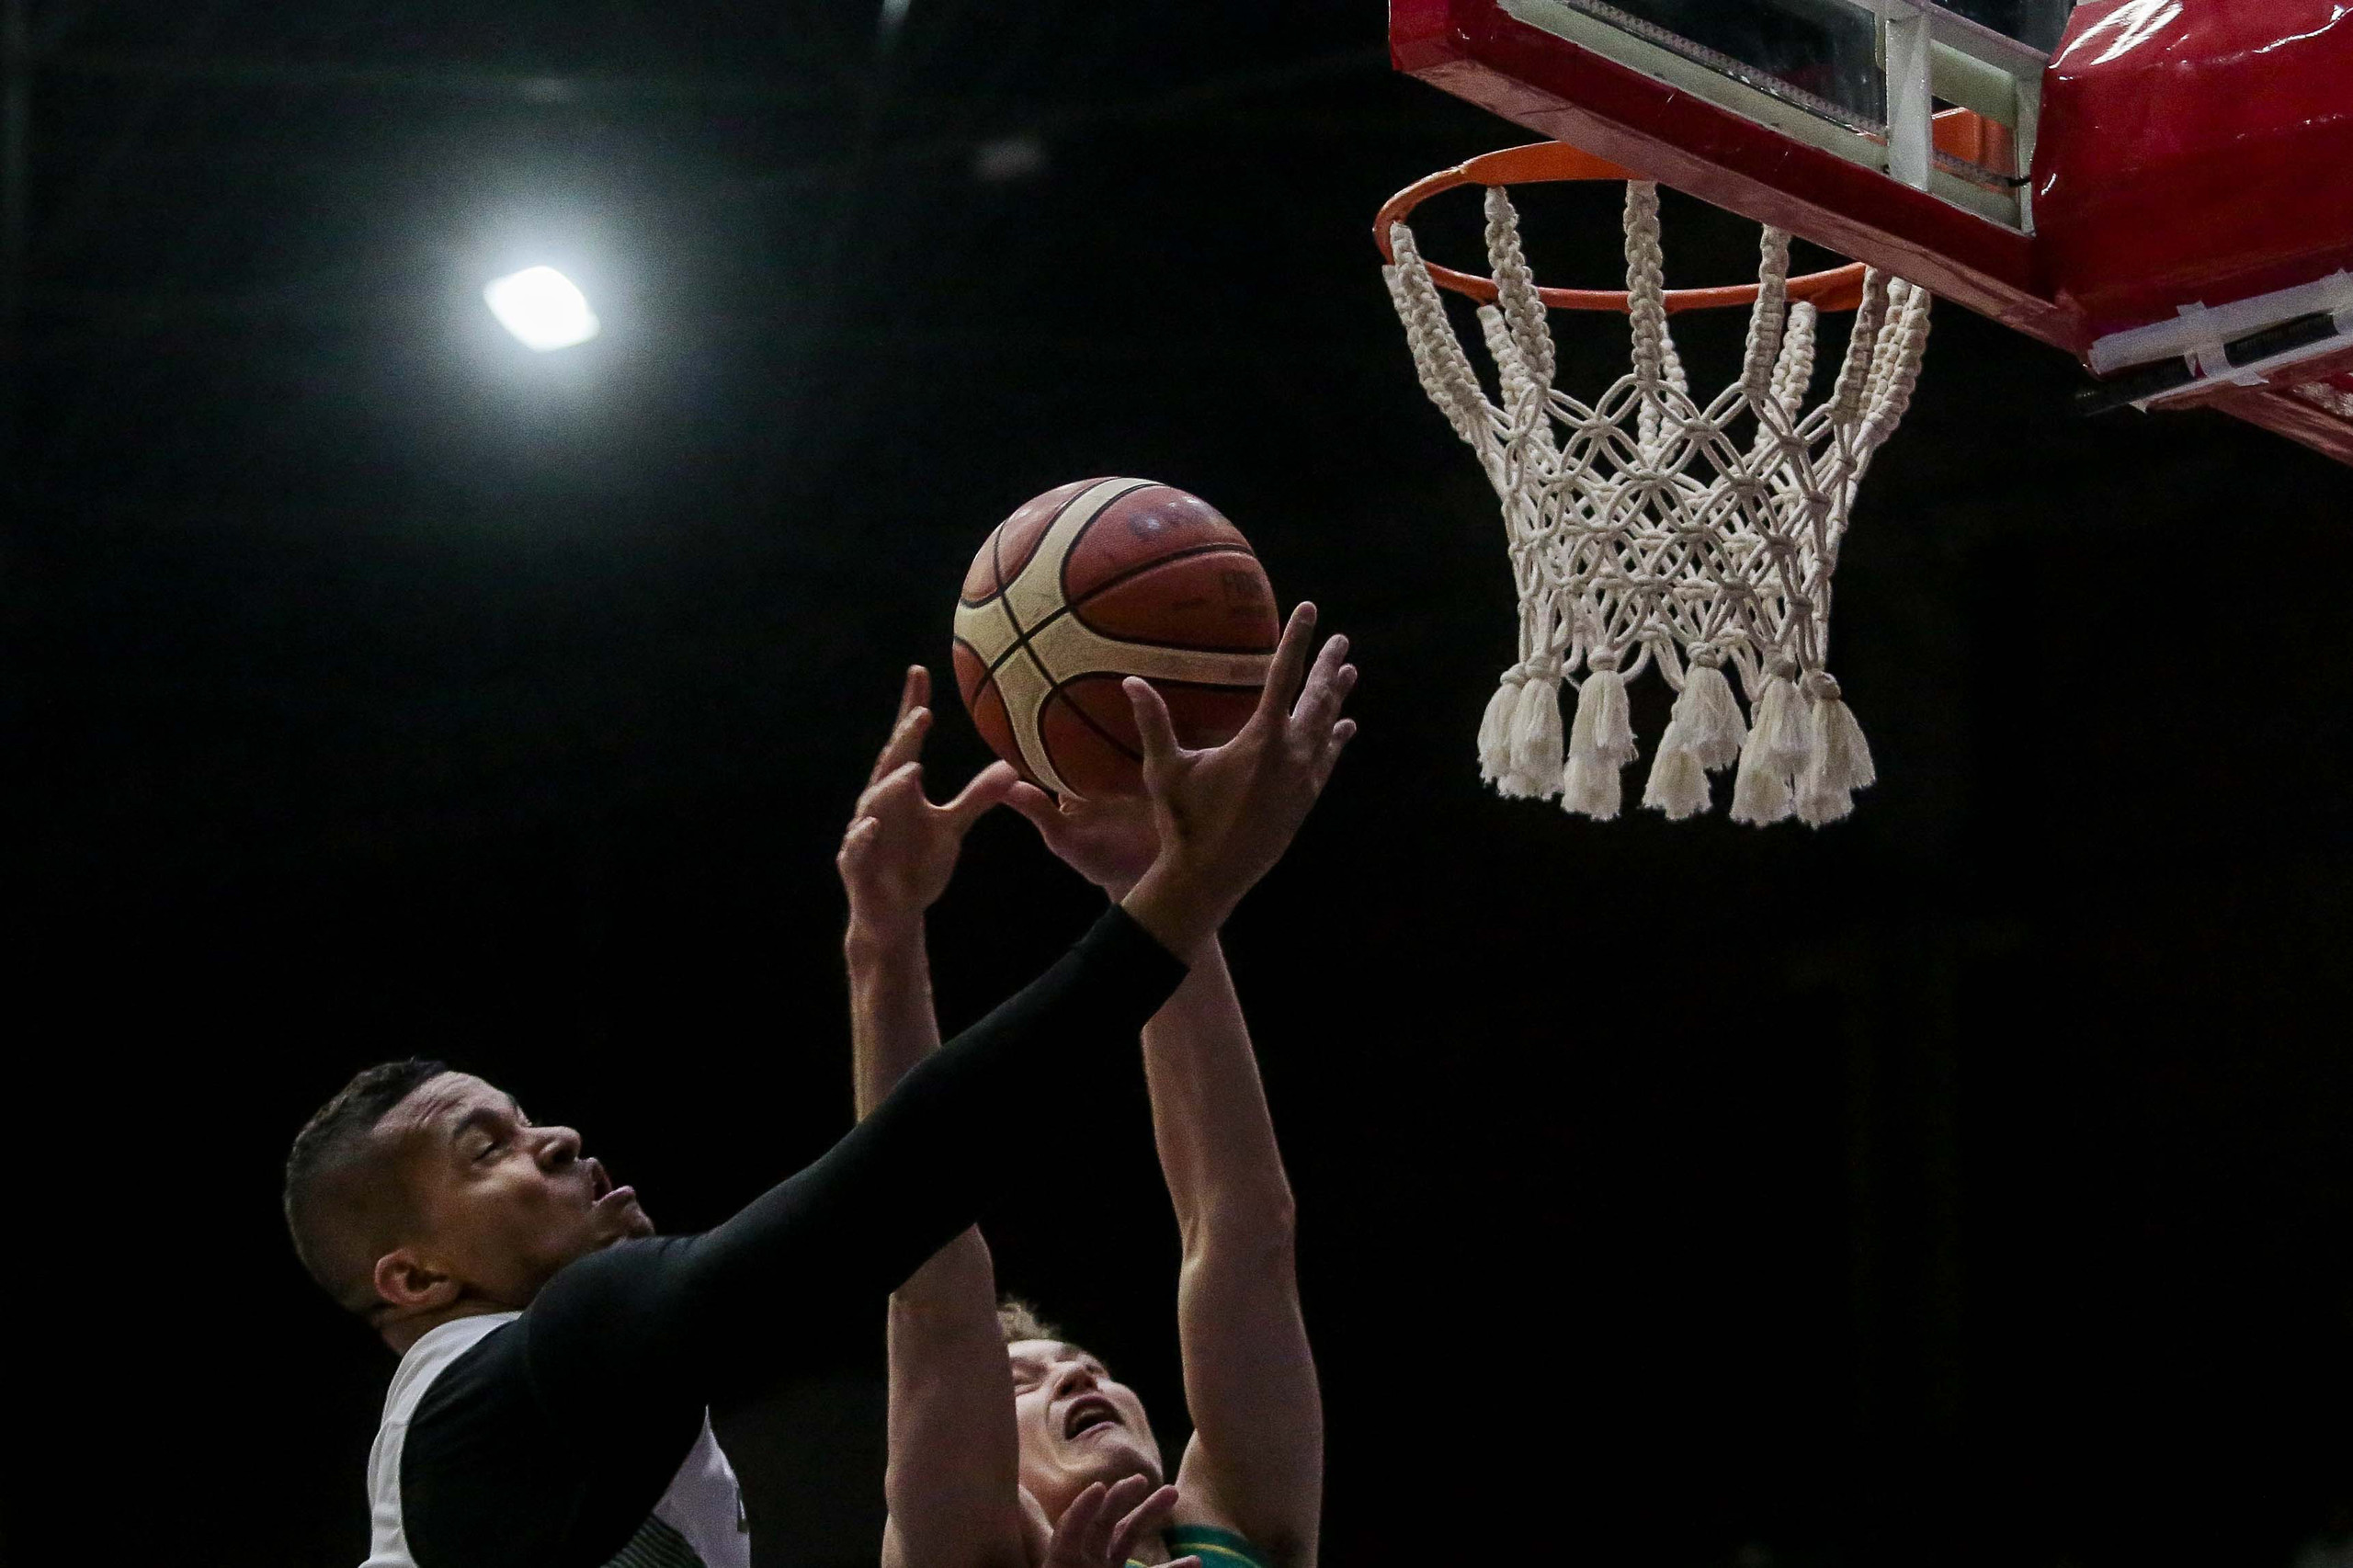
(1076, 1425)
(504, 1202)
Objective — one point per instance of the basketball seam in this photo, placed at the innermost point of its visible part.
(1021, 761)
(981, 686)
(1022, 635)
(1159, 681)
(1087, 718)
(988, 671)
(1053, 689)
(1059, 688)
(996, 565)
(1188, 553)
(1062, 567)
(1020, 643)
(997, 541)
(1228, 547)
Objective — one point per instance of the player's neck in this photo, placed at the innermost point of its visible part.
(405, 1332)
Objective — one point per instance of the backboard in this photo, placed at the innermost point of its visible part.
(2164, 190)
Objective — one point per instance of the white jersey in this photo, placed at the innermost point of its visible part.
(700, 1521)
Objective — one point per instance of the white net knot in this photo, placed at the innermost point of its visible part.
(1542, 667)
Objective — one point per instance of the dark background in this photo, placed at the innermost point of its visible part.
(1966, 1181)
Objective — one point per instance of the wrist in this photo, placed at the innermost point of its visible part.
(1177, 908)
(882, 934)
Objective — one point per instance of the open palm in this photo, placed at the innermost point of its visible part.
(1111, 841)
(900, 851)
(1101, 1527)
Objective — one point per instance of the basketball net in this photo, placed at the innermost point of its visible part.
(1644, 529)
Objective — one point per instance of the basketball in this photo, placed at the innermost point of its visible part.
(1088, 584)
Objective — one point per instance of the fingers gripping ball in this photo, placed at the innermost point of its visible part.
(1088, 584)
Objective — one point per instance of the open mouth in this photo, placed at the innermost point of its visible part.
(603, 1195)
(1088, 1413)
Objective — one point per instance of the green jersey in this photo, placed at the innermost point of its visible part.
(1214, 1546)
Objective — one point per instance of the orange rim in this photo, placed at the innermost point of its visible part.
(1840, 288)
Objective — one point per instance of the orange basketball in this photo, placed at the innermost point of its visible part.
(1090, 583)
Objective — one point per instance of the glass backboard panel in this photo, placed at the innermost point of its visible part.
(2038, 23)
(1838, 76)
(1820, 55)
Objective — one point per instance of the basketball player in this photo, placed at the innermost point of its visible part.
(558, 1358)
(1057, 1464)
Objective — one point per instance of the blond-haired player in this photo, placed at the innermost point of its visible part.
(1009, 1445)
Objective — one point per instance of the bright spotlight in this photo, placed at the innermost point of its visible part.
(542, 308)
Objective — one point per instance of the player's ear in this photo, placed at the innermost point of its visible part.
(407, 1281)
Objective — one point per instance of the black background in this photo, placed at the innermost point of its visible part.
(1966, 1181)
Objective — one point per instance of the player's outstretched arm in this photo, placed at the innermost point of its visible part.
(1256, 1462)
(693, 1318)
(895, 860)
(952, 1483)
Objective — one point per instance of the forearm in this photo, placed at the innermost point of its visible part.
(903, 1182)
(893, 1026)
(1209, 1112)
(952, 1484)
(1256, 1461)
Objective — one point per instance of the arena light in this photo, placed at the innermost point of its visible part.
(542, 308)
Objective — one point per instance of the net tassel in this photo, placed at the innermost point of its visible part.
(1710, 717)
(1495, 730)
(1534, 755)
(1840, 761)
(1778, 747)
(1678, 785)
(1704, 732)
(1601, 740)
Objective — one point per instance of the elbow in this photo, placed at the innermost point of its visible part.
(1261, 1229)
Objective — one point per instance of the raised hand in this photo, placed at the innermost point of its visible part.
(1100, 1528)
(1225, 815)
(900, 850)
(1110, 841)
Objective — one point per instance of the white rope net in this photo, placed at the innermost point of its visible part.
(1644, 529)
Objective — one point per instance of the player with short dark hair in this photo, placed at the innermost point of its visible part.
(559, 1358)
(341, 1205)
(1057, 1466)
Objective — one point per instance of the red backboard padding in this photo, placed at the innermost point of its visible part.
(2194, 153)
(2189, 152)
(1475, 50)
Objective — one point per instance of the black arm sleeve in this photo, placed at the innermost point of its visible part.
(616, 1358)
